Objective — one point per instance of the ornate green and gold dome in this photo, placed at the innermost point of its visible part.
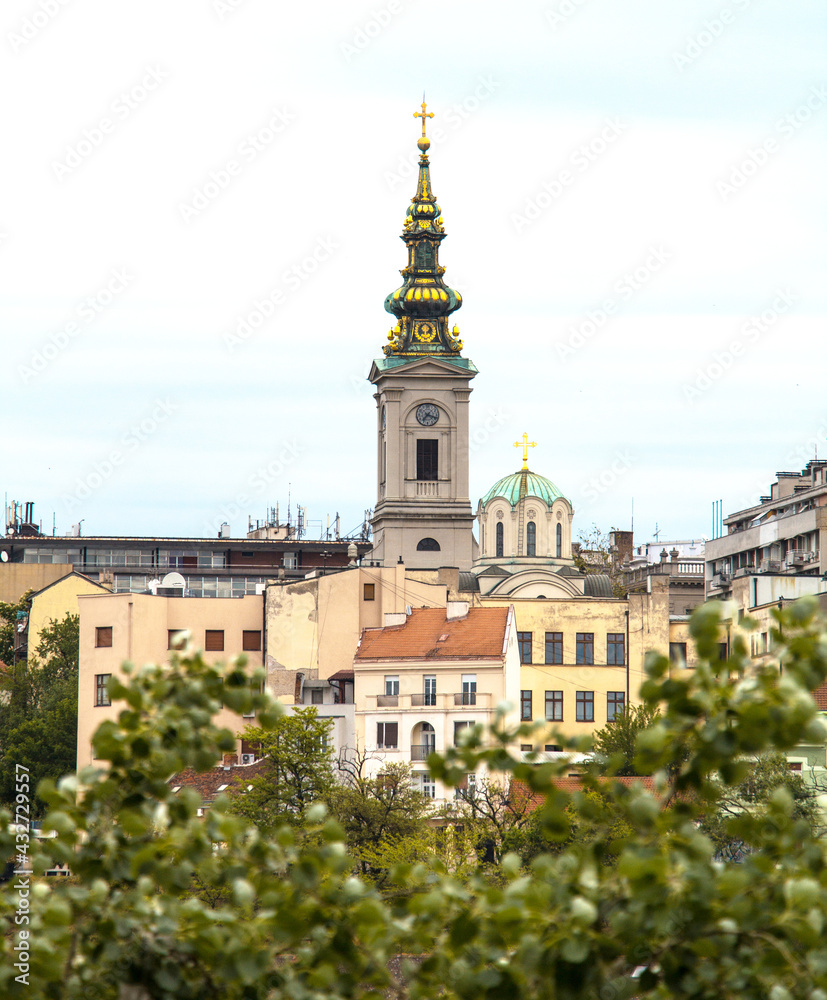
(424, 302)
(523, 484)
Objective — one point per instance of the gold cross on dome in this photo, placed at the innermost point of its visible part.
(421, 114)
(525, 444)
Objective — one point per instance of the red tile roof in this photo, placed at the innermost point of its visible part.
(820, 697)
(208, 782)
(428, 634)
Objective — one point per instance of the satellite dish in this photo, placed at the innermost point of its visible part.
(174, 580)
(4, 556)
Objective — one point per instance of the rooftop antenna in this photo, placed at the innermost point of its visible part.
(633, 515)
(657, 532)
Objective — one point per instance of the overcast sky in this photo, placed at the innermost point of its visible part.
(203, 205)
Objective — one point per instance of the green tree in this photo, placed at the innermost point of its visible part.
(667, 919)
(38, 721)
(615, 745)
(382, 816)
(297, 770)
(8, 624)
(747, 802)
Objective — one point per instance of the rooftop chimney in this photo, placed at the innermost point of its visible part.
(456, 609)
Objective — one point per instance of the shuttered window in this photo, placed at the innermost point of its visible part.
(214, 640)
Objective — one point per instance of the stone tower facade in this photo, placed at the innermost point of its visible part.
(423, 512)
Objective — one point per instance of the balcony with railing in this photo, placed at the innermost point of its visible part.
(440, 702)
(421, 751)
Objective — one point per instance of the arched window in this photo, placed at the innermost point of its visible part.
(559, 541)
(499, 538)
(428, 545)
(531, 539)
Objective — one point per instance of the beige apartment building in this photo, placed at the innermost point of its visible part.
(783, 536)
(425, 677)
(140, 629)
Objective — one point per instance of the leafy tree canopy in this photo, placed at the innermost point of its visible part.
(667, 919)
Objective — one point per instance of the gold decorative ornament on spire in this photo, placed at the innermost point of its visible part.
(525, 444)
(424, 302)
(424, 143)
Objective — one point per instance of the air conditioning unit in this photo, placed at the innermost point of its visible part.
(248, 758)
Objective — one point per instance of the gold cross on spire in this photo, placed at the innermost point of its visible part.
(525, 444)
(421, 114)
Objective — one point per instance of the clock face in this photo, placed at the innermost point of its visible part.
(427, 414)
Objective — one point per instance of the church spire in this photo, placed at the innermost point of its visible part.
(424, 302)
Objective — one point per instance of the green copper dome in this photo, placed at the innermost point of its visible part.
(522, 484)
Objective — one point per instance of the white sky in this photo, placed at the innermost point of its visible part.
(667, 98)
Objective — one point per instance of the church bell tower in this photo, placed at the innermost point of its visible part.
(423, 511)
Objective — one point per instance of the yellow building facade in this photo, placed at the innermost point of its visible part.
(140, 628)
(55, 601)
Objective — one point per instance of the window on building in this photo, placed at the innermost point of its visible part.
(531, 539)
(427, 459)
(369, 592)
(525, 706)
(459, 729)
(524, 640)
(559, 541)
(251, 640)
(616, 649)
(254, 689)
(723, 651)
(584, 711)
(677, 652)
(427, 786)
(554, 647)
(430, 689)
(615, 704)
(176, 638)
(387, 735)
(554, 706)
(467, 788)
(103, 636)
(469, 689)
(584, 648)
(427, 545)
(316, 696)
(102, 689)
(499, 538)
(214, 640)
(391, 684)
